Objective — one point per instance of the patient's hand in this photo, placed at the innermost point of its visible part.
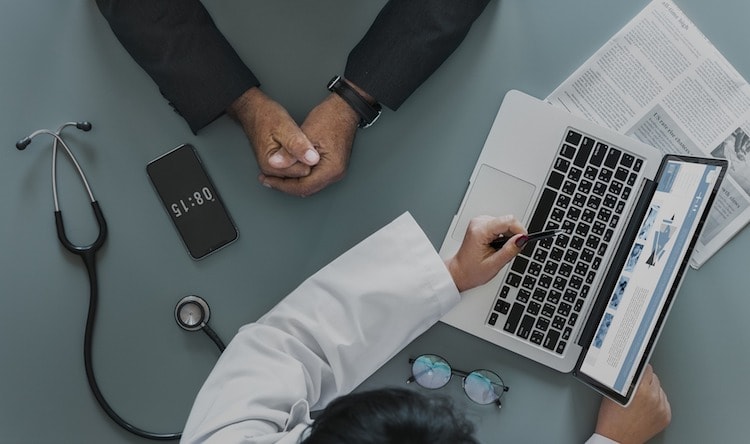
(331, 127)
(281, 148)
(476, 262)
(647, 414)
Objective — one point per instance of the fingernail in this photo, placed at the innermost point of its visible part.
(276, 159)
(312, 156)
(521, 241)
(263, 181)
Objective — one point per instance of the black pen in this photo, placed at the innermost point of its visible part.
(532, 237)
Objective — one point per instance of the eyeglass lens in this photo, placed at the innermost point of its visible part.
(434, 372)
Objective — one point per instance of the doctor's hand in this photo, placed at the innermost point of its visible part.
(476, 262)
(647, 414)
(331, 127)
(281, 148)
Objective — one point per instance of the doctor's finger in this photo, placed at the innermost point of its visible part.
(503, 226)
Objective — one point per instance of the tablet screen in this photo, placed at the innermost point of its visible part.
(651, 275)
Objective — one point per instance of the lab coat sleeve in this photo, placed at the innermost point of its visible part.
(324, 338)
(599, 439)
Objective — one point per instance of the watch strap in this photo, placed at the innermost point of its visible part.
(368, 113)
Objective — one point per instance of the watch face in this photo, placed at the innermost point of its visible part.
(191, 200)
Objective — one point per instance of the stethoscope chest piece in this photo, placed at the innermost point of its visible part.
(192, 313)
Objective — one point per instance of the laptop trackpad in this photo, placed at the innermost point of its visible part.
(494, 193)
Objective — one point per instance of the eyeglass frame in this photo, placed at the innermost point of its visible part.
(463, 375)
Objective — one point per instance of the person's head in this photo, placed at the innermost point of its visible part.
(390, 416)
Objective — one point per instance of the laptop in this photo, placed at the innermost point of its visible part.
(591, 301)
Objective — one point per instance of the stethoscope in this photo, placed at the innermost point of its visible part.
(191, 313)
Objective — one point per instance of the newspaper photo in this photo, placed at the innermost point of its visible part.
(661, 81)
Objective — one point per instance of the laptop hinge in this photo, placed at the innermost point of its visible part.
(618, 261)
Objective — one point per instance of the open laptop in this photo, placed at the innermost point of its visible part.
(591, 301)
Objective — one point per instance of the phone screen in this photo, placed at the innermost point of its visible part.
(192, 201)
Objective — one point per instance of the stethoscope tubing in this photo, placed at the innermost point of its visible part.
(88, 256)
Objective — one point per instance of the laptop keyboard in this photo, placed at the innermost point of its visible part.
(544, 292)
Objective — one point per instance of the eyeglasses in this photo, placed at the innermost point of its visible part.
(434, 372)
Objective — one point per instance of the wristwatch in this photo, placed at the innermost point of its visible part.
(368, 113)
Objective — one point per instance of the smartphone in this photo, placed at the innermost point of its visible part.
(192, 201)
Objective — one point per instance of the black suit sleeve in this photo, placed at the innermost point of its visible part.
(178, 45)
(407, 42)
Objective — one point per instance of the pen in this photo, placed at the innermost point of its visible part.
(532, 237)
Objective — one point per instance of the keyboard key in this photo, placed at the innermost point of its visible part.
(569, 187)
(559, 322)
(519, 264)
(582, 155)
(573, 319)
(537, 337)
(548, 310)
(513, 280)
(550, 267)
(533, 308)
(579, 199)
(523, 295)
(528, 282)
(568, 151)
(575, 174)
(556, 254)
(511, 324)
(553, 297)
(560, 347)
(524, 329)
(613, 157)
(539, 295)
(621, 174)
(542, 324)
(588, 143)
(573, 137)
(545, 281)
(561, 165)
(493, 318)
(502, 306)
(504, 290)
(566, 333)
(565, 269)
(615, 187)
(550, 341)
(555, 180)
(590, 172)
(564, 308)
(535, 268)
(599, 154)
(585, 186)
(546, 202)
(627, 160)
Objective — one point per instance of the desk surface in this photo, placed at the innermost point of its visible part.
(63, 63)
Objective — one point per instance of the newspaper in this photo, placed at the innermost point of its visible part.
(661, 81)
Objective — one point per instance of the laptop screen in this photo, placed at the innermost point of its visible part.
(651, 275)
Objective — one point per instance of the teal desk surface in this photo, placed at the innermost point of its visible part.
(61, 62)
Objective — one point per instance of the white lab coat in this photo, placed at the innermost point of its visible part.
(324, 339)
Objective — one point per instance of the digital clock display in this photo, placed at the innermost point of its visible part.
(192, 201)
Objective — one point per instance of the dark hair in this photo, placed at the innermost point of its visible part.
(390, 416)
